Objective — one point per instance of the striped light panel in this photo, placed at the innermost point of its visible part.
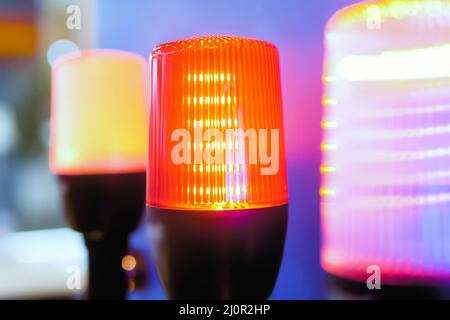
(203, 89)
(385, 190)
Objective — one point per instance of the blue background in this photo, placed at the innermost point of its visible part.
(296, 27)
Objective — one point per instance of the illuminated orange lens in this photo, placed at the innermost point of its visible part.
(216, 129)
(99, 113)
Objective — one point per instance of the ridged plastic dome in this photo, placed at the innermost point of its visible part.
(214, 85)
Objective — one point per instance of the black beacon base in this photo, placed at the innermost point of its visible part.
(219, 254)
(342, 288)
(105, 209)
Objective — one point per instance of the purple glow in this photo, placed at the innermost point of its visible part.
(386, 144)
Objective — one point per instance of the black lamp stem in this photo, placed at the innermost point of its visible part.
(107, 279)
(106, 209)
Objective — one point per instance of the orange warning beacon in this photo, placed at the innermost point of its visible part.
(216, 184)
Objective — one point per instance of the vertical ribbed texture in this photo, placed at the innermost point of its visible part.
(213, 85)
(386, 144)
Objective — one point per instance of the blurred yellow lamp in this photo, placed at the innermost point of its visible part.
(98, 149)
(99, 117)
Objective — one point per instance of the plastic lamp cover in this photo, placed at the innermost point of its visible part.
(216, 125)
(99, 113)
(386, 142)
